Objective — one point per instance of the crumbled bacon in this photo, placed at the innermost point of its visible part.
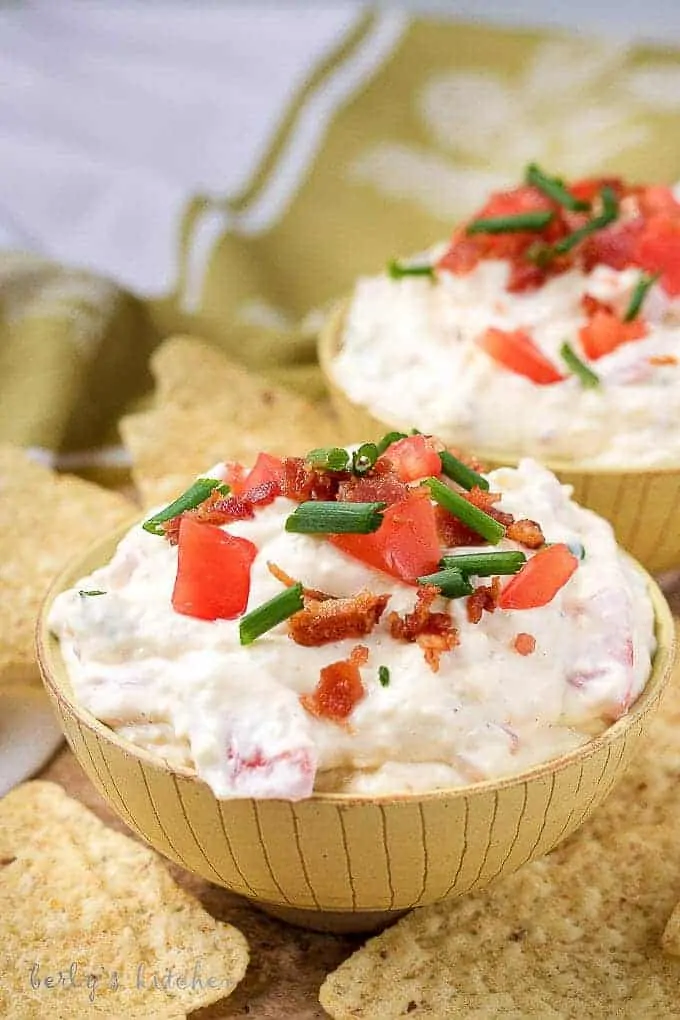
(483, 598)
(382, 484)
(216, 509)
(591, 305)
(336, 619)
(434, 632)
(284, 578)
(301, 482)
(262, 494)
(527, 533)
(452, 532)
(524, 644)
(663, 359)
(339, 688)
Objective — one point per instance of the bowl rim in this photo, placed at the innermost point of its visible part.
(329, 344)
(56, 680)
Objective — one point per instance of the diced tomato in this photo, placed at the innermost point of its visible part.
(405, 545)
(612, 246)
(235, 476)
(517, 352)
(605, 332)
(587, 189)
(213, 572)
(540, 579)
(413, 457)
(658, 199)
(265, 482)
(462, 256)
(525, 198)
(658, 251)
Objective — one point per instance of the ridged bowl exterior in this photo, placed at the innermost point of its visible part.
(641, 505)
(338, 862)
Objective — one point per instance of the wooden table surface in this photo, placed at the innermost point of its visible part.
(287, 964)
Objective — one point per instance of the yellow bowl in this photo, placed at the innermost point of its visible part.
(640, 503)
(338, 862)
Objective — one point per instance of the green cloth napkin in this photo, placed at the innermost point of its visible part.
(452, 112)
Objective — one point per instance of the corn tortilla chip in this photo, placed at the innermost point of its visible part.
(44, 519)
(209, 409)
(91, 922)
(576, 934)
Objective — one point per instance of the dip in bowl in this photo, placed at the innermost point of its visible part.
(548, 327)
(357, 683)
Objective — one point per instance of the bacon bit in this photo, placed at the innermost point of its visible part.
(483, 598)
(591, 305)
(339, 689)
(216, 509)
(382, 484)
(524, 644)
(663, 359)
(301, 482)
(452, 532)
(284, 578)
(336, 619)
(434, 632)
(527, 533)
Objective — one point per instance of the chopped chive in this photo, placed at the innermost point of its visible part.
(579, 368)
(384, 676)
(554, 188)
(397, 270)
(270, 613)
(451, 583)
(461, 473)
(485, 564)
(84, 594)
(364, 458)
(472, 516)
(321, 518)
(639, 294)
(415, 432)
(189, 500)
(388, 439)
(328, 458)
(506, 224)
(610, 210)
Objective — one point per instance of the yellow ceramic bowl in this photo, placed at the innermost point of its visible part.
(641, 503)
(340, 862)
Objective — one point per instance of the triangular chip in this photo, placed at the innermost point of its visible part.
(44, 520)
(208, 409)
(91, 922)
(576, 934)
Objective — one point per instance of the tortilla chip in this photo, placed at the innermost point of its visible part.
(44, 519)
(82, 901)
(671, 935)
(576, 934)
(209, 409)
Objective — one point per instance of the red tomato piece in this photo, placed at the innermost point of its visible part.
(540, 579)
(213, 572)
(463, 255)
(658, 251)
(405, 545)
(525, 198)
(658, 199)
(265, 482)
(613, 246)
(605, 332)
(517, 352)
(413, 457)
(235, 476)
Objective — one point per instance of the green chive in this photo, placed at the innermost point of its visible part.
(321, 518)
(485, 564)
(270, 613)
(610, 210)
(579, 368)
(384, 676)
(189, 500)
(451, 583)
(506, 224)
(328, 458)
(461, 473)
(554, 188)
(388, 439)
(639, 294)
(470, 515)
(364, 458)
(84, 594)
(397, 270)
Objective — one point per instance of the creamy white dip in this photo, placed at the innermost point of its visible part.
(409, 355)
(188, 691)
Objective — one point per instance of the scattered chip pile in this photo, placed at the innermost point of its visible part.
(91, 924)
